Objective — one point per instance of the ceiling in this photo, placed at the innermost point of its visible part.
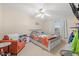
(56, 10)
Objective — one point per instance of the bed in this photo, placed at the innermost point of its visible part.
(43, 40)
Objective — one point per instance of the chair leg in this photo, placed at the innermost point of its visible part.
(2, 52)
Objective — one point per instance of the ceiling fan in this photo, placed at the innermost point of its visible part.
(42, 13)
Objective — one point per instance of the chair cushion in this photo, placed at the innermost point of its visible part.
(6, 37)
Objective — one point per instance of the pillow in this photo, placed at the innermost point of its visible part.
(19, 40)
(1, 37)
(14, 36)
(5, 37)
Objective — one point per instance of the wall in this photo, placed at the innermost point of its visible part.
(0, 18)
(49, 26)
(15, 21)
(66, 23)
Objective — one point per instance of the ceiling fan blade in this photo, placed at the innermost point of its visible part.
(42, 16)
(43, 10)
(47, 14)
(39, 15)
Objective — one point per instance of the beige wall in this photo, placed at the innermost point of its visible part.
(45, 26)
(48, 25)
(0, 18)
(15, 21)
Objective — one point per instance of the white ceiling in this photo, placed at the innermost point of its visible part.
(56, 10)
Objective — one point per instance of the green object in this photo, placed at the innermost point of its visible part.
(75, 43)
(75, 40)
(77, 47)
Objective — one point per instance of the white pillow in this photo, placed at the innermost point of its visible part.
(1, 37)
(14, 36)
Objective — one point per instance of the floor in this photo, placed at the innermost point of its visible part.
(33, 50)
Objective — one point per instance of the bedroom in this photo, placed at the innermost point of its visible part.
(44, 19)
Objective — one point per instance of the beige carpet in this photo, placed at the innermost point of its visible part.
(33, 50)
(56, 50)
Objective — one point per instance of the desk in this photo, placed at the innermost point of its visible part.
(4, 44)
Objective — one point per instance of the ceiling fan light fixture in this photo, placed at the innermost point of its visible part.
(42, 16)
